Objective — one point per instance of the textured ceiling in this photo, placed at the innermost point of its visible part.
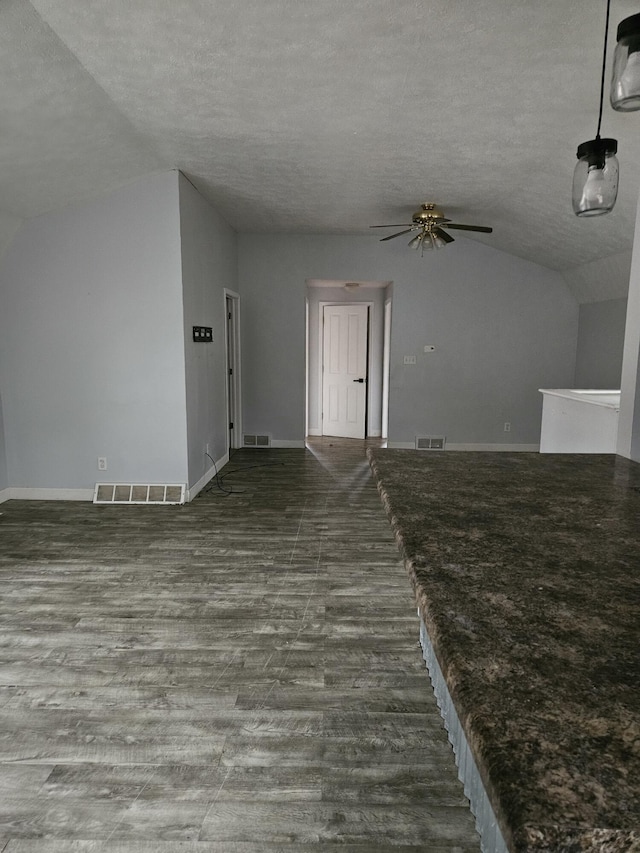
(320, 116)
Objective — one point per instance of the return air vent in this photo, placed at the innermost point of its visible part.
(130, 493)
(430, 442)
(257, 440)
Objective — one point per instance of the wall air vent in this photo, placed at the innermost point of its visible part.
(430, 442)
(130, 493)
(257, 440)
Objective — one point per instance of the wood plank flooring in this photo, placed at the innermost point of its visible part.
(241, 674)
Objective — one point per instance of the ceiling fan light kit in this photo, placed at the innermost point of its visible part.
(427, 239)
(430, 223)
(625, 82)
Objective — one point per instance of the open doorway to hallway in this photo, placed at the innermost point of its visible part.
(347, 359)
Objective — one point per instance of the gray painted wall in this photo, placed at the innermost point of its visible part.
(600, 344)
(628, 443)
(9, 227)
(209, 264)
(4, 481)
(503, 328)
(91, 342)
(316, 295)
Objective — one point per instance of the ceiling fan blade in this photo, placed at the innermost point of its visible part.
(482, 228)
(443, 235)
(398, 225)
(391, 236)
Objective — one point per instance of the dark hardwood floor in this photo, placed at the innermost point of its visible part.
(241, 674)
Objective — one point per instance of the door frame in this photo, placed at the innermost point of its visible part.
(386, 366)
(321, 307)
(233, 407)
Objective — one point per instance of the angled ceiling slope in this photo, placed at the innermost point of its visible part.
(320, 116)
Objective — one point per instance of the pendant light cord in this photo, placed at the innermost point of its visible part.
(604, 67)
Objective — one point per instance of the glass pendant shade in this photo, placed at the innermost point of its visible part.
(625, 81)
(595, 179)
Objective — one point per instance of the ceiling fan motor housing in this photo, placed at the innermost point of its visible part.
(428, 214)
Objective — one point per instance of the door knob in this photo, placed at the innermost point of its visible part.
(358, 380)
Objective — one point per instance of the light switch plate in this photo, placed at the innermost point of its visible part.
(203, 334)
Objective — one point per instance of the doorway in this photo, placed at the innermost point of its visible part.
(232, 369)
(321, 294)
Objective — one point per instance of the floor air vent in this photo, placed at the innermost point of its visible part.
(125, 493)
(257, 441)
(430, 442)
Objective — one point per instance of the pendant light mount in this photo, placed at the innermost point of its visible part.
(595, 151)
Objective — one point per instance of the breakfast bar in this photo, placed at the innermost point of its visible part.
(526, 571)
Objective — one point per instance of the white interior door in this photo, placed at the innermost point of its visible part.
(344, 374)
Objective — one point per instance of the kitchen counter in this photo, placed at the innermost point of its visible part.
(526, 570)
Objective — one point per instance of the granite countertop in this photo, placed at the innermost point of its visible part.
(526, 569)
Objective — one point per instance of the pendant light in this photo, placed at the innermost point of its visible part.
(595, 179)
(625, 83)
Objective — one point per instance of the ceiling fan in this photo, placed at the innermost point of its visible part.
(430, 223)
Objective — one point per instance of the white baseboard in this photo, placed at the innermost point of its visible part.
(284, 443)
(375, 433)
(22, 494)
(205, 479)
(4, 495)
(496, 448)
(488, 448)
(314, 431)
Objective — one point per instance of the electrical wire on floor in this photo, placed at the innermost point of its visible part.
(218, 478)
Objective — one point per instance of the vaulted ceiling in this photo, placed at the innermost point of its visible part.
(324, 116)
